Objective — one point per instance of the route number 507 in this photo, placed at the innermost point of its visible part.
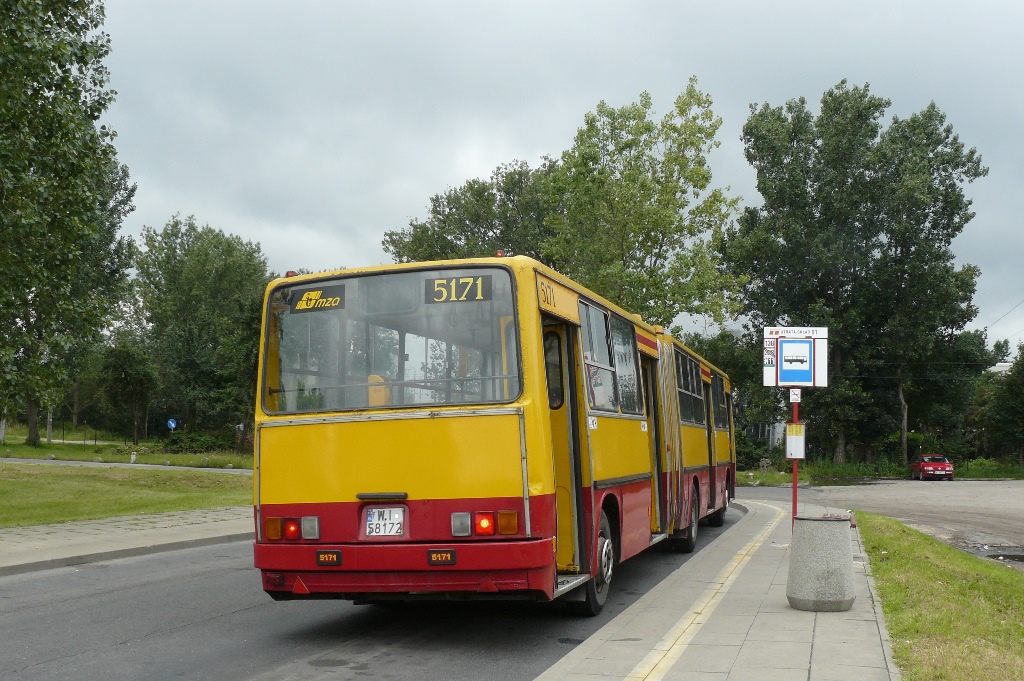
(458, 289)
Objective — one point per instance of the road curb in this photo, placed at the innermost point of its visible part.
(114, 554)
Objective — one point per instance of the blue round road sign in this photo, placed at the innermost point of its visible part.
(172, 424)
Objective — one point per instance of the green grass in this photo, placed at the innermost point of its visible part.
(982, 468)
(828, 473)
(31, 494)
(771, 478)
(951, 616)
(81, 433)
(120, 454)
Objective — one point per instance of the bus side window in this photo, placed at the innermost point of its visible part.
(597, 357)
(553, 369)
(509, 356)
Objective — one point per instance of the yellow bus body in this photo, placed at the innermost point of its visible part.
(551, 491)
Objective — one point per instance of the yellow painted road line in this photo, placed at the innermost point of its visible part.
(671, 647)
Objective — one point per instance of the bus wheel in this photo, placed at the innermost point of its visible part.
(717, 519)
(688, 544)
(597, 588)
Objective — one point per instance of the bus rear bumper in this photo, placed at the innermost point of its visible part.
(364, 572)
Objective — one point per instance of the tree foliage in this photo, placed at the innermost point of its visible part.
(128, 378)
(62, 195)
(997, 412)
(482, 216)
(636, 220)
(202, 291)
(854, 234)
(628, 211)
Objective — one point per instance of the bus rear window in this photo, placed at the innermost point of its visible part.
(399, 339)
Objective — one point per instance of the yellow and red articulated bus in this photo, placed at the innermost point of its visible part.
(479, 428)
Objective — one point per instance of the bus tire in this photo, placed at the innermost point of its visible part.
(599, 585)
(717, 519)
(688, 544)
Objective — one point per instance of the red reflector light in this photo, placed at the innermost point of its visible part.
(484, 522)
(292, 529)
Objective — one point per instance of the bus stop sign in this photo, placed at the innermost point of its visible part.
(796, 357)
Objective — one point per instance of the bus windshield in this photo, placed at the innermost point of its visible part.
(428, 337)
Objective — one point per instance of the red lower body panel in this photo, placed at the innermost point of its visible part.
(521, 567)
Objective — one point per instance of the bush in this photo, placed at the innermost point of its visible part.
(982, 467)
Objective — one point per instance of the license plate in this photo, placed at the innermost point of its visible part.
(385, 522)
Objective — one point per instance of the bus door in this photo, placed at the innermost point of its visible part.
(560, 369)
(650, 386)
(709, 426)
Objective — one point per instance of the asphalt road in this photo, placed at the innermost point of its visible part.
(201, 614)
(984, 517)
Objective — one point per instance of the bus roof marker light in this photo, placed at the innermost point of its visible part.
(462, 524)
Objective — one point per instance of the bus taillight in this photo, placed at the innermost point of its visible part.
(307, 527)
(484, 522)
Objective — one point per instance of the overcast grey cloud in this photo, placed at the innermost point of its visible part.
(312, 127)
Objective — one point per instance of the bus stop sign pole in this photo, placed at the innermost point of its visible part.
(795, 444)
(795, 357)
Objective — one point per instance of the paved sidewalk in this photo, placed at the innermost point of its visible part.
(724, 616)
(26, 549)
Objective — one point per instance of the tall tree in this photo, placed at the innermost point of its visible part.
(203, 293)
(854, 234)
(128, 378)
(62, 195)
(508, 212)
(628, 211)
(1007, 408)
(636, 219)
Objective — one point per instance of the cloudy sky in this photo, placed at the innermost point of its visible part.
(313, 127)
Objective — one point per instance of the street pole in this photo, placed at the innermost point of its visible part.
(796, 419)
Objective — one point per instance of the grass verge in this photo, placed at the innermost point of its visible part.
(38, 495)
(758, 478)
(112, 453)
(951, 616)
(828, 473)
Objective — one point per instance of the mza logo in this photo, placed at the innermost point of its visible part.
(326, 297)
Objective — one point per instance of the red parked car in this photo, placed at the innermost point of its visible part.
(931, 466)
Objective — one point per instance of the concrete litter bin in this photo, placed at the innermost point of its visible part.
(821, 565)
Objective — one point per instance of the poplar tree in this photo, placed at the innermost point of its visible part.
(62, 195)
